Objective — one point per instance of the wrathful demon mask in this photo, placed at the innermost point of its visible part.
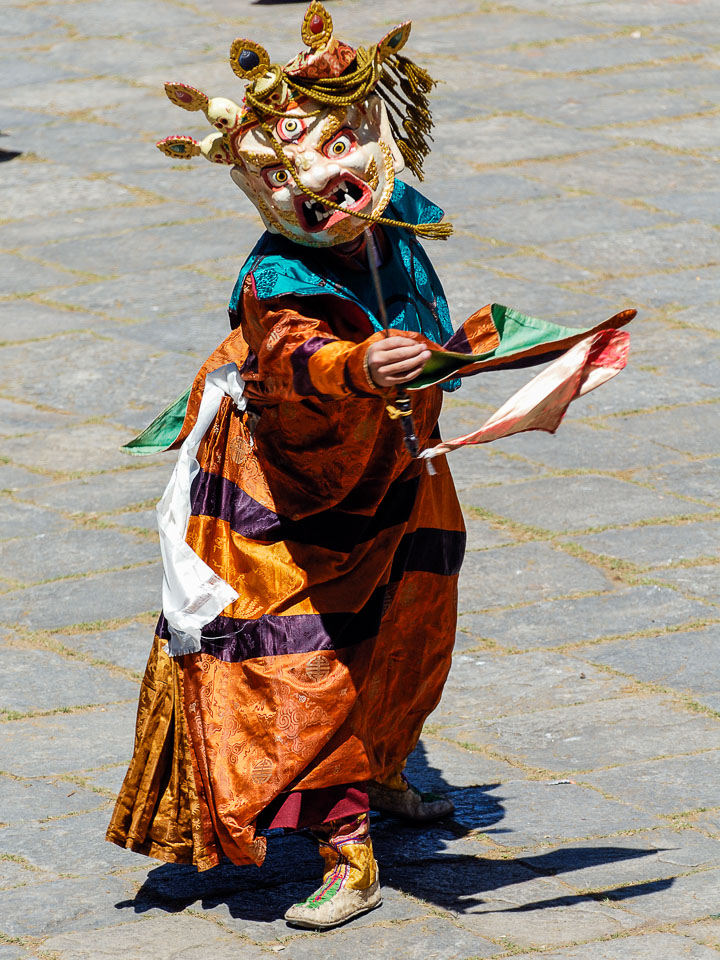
(317, 143)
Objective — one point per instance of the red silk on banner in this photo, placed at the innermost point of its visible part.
(541, 403)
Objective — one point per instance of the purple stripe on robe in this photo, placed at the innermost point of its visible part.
(342, 531)
(235, 640)
(300, 358)
(431, 551)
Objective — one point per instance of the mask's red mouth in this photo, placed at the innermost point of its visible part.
(346, 190)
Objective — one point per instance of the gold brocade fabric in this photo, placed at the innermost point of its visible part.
(157, 812)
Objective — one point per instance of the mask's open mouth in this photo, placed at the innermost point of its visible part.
(345, 190)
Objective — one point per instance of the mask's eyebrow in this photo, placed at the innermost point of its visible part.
(260, 158)
(329, 124)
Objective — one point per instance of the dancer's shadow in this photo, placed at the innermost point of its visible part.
(440, 863)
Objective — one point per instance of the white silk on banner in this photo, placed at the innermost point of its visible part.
(192, 593)
(541, 403)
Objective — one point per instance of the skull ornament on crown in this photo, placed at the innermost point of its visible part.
(317, 143)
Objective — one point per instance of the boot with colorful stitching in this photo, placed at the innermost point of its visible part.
(351, 884)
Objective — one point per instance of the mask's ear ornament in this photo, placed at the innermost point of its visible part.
(186, 97)
(213, 148)
(179, 148)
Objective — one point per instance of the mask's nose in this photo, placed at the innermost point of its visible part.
(315, 171)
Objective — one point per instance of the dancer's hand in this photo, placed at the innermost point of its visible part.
(395, 360)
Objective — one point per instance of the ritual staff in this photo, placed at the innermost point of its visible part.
(310, 559)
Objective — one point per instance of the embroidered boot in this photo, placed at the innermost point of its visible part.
(351, 884)
(396, 795)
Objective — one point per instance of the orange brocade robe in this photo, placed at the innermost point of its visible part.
(345, 554)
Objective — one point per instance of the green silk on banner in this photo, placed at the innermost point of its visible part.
(518, 333)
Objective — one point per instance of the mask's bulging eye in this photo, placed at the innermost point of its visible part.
(340, 145)
(279, 177)
(290, 128)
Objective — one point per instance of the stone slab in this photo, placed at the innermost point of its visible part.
(686, 898)
(708, 822)
(700, 479)
(579, 446)
(123, 375)
(127, 646)
(24, 519)
(77, 904)
(706, 317)
(619, 861)
(66, 743)
(488, 685)
(73, 845)
(196, 334)
(643, 251)
(65, 193)
(24, 683)
(644, 946)
(684, 287)
(668, 786)
(689, 429)
(37, 799)
(523, 813)
(482, 535)
(703, 205)
(580, 503)
(678, 660)
(109, 780)
(91, 448)
(522, 573)
(169, 937)
(541, 912)
(172, 246)
(550, 221)
(12, 875)
(13, 479)
(47, 556)
(143, 521)
(104, 493)
(446, 767)
(145, 294)
(703, 581)
(25, 320)
(105, 596)
(574, 620)
(503, 139)
(19, 418)
(700, 131)
(20, 277)
(593, 735)
(437, 937)
(624, 171)
(579, 55)
(658, 545)
(703, 931)
(479, 467)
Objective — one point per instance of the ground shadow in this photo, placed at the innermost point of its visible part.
(440, 864)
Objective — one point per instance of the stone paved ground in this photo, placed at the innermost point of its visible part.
(576, 153)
